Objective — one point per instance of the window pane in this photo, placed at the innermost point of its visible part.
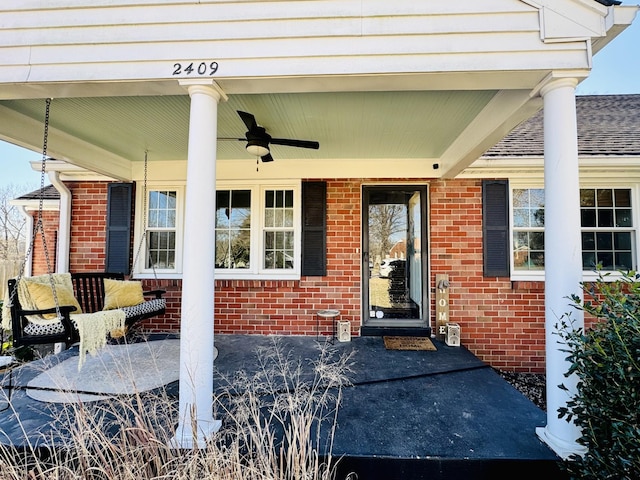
(537, 217)
(605, 198)
(288, 217)
(624, 261)
(589, 260)
(622, 241)
(604, 241)
(153, 218)
(161, 248)
(520, 198)
(623, 217)
(587, 197)
(520, 217)
(622, 197)
(588, 241)
(528, 250)
(605, 260)
(588, 217)
(536, 240)
(233, 229)
(605, 218)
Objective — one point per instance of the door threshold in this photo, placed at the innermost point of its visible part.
(395, 331)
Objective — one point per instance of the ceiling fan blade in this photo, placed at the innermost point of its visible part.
(267, 158)
(248, 119)
(295, 143)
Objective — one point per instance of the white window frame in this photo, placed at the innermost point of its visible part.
(587, 275)
(256, 258)
(140, 249)
(256, 271)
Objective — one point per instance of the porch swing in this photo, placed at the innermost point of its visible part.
(73, 307)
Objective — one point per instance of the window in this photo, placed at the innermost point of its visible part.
(278, 229)
(161, 230)
(608, 234)
(157, 247)
(257, 232)
(528, 229)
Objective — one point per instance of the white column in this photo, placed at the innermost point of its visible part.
(563, 254)
(196, 422)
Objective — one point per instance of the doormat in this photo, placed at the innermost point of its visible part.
(408, 343)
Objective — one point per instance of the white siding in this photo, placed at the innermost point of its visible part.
(49, 40)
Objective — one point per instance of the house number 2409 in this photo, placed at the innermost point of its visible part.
(195, 68)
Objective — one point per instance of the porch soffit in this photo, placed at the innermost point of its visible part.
(348, 125)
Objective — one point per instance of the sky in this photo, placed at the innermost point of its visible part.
(616, 69)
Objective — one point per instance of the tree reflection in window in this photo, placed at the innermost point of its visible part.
(233, 229)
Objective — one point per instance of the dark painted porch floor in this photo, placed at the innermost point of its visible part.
(408, 415)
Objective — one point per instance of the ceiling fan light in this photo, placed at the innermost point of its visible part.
(257, 148)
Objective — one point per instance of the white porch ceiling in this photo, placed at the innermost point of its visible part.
(354, 125)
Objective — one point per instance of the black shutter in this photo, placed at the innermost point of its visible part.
(314, 228)
(495, 228)
(118, 227)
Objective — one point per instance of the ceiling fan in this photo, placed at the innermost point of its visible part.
(258, 140)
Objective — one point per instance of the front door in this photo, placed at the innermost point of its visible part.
(394, 266)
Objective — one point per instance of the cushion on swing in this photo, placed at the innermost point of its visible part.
(122, 293)
(144, 308)
(41, 297)
(60, 280)
(150, 306)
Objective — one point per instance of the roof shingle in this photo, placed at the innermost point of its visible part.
(608, 125)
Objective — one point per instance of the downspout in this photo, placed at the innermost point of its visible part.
(28, 237)
(64, 219)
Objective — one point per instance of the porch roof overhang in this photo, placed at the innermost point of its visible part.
(385, 88)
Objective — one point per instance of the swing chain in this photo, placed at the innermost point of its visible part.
(143, 236)
(39, 227)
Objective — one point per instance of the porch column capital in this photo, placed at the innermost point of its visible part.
(204, 86)
(554, 83)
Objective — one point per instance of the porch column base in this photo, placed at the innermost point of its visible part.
(561, 447)
(184, 438)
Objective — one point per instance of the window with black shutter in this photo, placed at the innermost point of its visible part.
(314, 226)
(495, 228)
(118, 227)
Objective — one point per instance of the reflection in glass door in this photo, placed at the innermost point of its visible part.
(394, 239)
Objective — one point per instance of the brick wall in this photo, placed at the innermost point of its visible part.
(502, 321)
(88, 232)
(289, 307)
(50, 225)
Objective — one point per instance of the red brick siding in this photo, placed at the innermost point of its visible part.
(289, 307)
(50, 225)
(88, 226)
(502, 322)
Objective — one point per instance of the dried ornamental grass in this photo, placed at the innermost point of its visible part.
(278, 424)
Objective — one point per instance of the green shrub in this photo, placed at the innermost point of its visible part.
(606, 361)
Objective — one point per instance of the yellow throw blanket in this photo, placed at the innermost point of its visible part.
(94, 328)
